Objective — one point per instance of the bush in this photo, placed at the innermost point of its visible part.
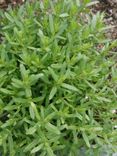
(57, 80)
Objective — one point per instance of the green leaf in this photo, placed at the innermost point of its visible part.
(78, 3)
(79, 116)
(32, 113)
(31, 130)
(86, 139)
(69, 87)
(51, 23)
(8, 123)
(17, 83)
(31, 145)
(52, 72)
(38, 148)
(28, 92)
(11, 145)
(35, 78)
(9, 17)
(35, 110)
(6, 91)
(103, 99)
(40, 33)
(41, 5)
(90, 85)
(64, 15)
(52, 128)
(11, 107)
(53, 92)
(23, 71)
(50, 151)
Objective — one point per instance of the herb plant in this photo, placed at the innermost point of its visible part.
(58, 80)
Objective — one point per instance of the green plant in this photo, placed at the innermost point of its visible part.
(57, 80)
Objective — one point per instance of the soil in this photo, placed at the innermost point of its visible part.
(4, 3)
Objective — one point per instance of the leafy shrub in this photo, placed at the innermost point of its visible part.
(57, 80)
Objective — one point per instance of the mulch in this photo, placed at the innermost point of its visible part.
(4, 3)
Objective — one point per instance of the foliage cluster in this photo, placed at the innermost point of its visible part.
(58, 81)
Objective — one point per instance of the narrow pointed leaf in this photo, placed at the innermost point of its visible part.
(51, 23)
(53, 92)
(64, 15)
(36, 149)
(69, 87)
(86, 139)
(32, 113)
(52, 128)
